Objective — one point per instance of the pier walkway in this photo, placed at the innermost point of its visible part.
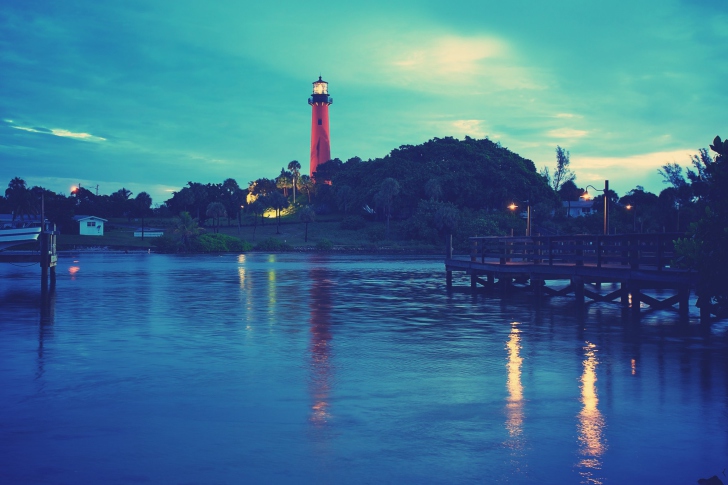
(634, 262)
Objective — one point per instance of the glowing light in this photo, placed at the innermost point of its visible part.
(586, 196)
(591, 422)
(72, 271)
(628, 206)
(513, 206)
(634, 367)
(514, 408)
(74, 189)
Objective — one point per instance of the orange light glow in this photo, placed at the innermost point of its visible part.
(586, 196)
(513, 206)
(628, 206)
(591, 422)
(634, 367)
(72, 271)
(74, 189)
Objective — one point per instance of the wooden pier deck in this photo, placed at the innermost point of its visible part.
(635, 262)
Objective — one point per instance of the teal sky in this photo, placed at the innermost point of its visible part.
(151, 94)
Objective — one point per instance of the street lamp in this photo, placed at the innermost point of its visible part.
(630, 207)
(513, 207)
(606, 203)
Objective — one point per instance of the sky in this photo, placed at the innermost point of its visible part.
(151, 94)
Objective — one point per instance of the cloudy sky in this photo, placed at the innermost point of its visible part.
(151, 94)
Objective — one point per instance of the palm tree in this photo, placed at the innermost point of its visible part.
(307, 185)
(306, 216)
(20, 199)
(257, 208)
(215, 210)
(284, 181)
(186, 229)
(295, 168)
(278, 202)
(385, 197)
(143, 203)
(231, 196)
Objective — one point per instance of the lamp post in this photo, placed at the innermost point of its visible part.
(606, 203)
(632, 208)
(513, 207)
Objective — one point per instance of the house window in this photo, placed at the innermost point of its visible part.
(319, 121)
(91, 224)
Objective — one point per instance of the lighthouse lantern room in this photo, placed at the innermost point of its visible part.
(320, 139)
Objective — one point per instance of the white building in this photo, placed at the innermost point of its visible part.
(90, 225)
(578, 208)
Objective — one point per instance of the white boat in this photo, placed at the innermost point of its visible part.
(14, 233)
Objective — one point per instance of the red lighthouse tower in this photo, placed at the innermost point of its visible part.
(320, 139)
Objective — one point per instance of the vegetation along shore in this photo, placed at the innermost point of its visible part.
(408, 201)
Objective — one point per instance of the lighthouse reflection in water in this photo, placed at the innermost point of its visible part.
(330, 368)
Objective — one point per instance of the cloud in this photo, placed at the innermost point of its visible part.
(78, 136)
(450, 64)
(57, 132)
(625, 173)
(473, 128)
(567, 133)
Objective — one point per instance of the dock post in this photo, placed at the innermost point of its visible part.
(684, 302)
(473, 280)
(578, 283)
(634, 289)
(43, 259)
(537, 287)
(624, 294)
(448, 255)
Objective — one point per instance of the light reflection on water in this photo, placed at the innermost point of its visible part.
(591, 421)
(315, 368)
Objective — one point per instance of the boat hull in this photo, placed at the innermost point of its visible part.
(16, 236)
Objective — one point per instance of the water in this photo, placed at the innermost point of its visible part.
(306, 368)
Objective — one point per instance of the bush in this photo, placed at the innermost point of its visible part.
(167, 243)
(219, 243)
(324, 245)
(353, 223)
(273, 244)
(376, 234)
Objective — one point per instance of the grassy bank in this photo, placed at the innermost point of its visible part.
(369, 237)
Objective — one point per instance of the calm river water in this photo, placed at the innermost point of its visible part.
(309, 368)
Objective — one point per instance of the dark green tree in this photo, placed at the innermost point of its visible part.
(307, 215)
(295, 168)
(388, 190)
(20, 199)
(215, 210)
(143, 207)
(278, 202)
(706, 247)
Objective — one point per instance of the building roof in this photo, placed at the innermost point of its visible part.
(83, 218)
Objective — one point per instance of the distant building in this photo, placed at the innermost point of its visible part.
(578, 208)
(149, 232)
(90, 225)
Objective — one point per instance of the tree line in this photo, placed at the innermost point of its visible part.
(442, 186)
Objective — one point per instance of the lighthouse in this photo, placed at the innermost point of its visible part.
(320, 139)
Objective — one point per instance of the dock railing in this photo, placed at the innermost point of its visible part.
(653, 251)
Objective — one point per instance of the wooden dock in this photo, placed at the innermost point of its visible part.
(634, 262)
